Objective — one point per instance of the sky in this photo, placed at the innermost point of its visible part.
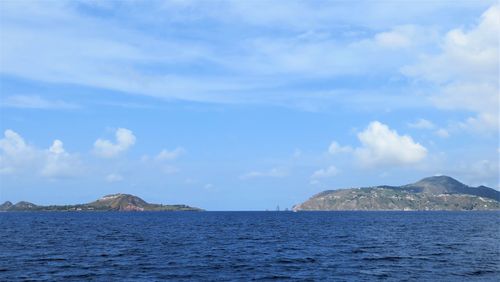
(244, 105)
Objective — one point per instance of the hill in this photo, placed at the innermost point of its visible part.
(432, 193)
(114, 202)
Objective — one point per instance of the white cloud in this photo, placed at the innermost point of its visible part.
(335, 148)
(59, 163)
(398, 37)
(16, 153)
(422, 124)
(274, 172)
(18, 157)
(166, 155)
(466, 72)
(95, 52)
(57, 147)
(13, 144)
(124, 140)
(325, 172)
(35, 102)
(160, 160)
(383, 146)
(314, 41)
(464, 54)
(114, 177)
(392, 40)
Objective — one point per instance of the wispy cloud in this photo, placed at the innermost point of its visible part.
(35, 102)
(335, 148)
(297, 44)
(422, 124)
(166, 155)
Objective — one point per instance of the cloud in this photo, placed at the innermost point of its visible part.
(429, 125)
(19, 157)
(59, 163)
(13, 144)
(382, 146)
(166, 155)
(325, 172)
(422, 124)
(35, 102)
(473, 53)
(107, 149)
(392, 39)
(15, 152)
(483, 122)
(81, 49)
(114, 177)
(477, 172)
(57, 147)
(402, 37)
(302, 43)
(335, 148)
(274, 173)
(465, 72)
(321, 15)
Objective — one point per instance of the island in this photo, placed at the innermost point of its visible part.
(114, 202)
(429, 194)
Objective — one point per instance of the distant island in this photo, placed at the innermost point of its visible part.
(432, 193)
(114, 202)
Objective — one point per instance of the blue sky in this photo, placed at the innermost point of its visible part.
(244, 105)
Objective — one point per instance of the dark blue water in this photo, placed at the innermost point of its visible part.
(225, 246)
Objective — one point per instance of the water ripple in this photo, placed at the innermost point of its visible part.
(243, 246)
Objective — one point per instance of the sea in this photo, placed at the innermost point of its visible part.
(250, 246)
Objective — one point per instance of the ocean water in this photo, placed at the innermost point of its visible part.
(246, 246)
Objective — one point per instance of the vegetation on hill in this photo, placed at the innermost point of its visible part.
(115, 202)
(432, 193)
